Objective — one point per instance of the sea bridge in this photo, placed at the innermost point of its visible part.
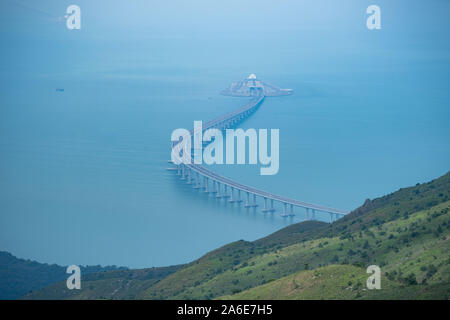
(223, 187)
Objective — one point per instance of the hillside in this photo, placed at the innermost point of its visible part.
(338, 282)
(117, 284)
(19, 276)
(406, 233)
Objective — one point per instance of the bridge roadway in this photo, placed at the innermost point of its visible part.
(226, 121)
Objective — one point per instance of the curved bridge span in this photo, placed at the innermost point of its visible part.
(211, 182)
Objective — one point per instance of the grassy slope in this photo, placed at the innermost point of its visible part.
(405, 251)
(400, 247)
(291, 249)
(343, 282)
(406, 233)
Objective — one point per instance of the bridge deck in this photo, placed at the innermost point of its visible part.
(201, 170)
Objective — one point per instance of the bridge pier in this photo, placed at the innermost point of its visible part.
(218, 190)
(206, 184)
(254, 201)
(307, 213)
(231, 194)
(239, 196)
(313, 214)
(214, 190)
(189, 176)
(331, 217)
(197, 181)
(265, 205)
(225, 195)
(247, 203)
(284, 214)
(272, 209)
(292, 211)
(182, 172)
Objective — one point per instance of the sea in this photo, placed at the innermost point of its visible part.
(86, 117)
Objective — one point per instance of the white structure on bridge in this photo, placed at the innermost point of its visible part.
(252, 86)
(210, 182)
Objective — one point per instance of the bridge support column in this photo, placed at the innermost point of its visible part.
(214, 190)
(182, 172)
(247, 202)
(331, 217)
(218, 190)
(292, 211)
(189, 176)
(265, 205)
(254, 201)
(307, 214)
(231, 194)
(313, 214)
(284, 210)
(206, 183)
(197, 181)
(272, 209)
(225, 195)
(239, 196)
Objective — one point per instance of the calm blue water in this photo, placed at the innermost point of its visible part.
(82, 172)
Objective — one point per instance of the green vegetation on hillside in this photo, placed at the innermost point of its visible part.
(19, 276)
(406, 233)
(118, 284)
(343, 282)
